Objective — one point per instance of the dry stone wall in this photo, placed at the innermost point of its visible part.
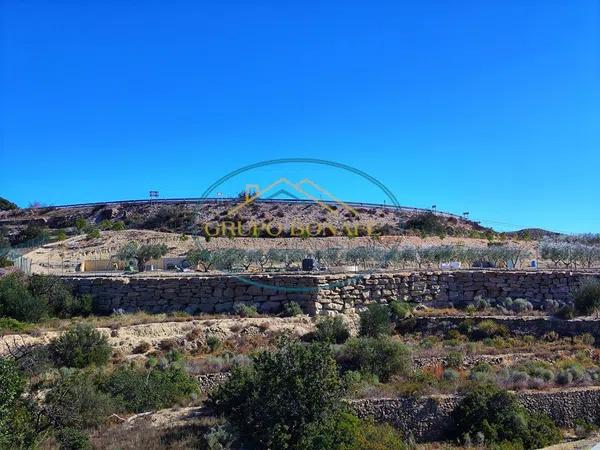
(321, 293)
(430, 418)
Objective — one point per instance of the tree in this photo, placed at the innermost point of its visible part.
(201, 256)
(500, 418)
(284, 399)
(142, 253)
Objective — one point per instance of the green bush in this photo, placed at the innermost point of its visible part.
(17, 416)
(80, 224)
(61, 302)
(119, 225)
(80, 346)
(291, 309)
(158, 387)
(450, 375)
(73, 439)
(244, 310)
(76, 402)
(332, 330)
(382, 356)
(34, 298)
(566, 312)
(213, 342)
(400, 311)
(285, 399)
(13, 325)
(105, 225)
(498, 416)
(454, 360)
(61, 235)
(486, 329)
(375, 321)
(17, 302)
(348, 432)
(587, 296)
(93, 233)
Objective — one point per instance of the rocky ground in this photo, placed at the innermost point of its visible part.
(188, 334)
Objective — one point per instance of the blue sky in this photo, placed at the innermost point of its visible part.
(488, 107)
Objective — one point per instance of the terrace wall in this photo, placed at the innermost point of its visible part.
(430, 418)
(320, 293)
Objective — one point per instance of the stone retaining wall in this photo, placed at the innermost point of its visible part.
(430, 418)
(319, 293)
(535, 326)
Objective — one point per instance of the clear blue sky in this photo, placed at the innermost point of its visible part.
(491, 107)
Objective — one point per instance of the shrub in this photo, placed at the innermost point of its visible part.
(17, 302)
(375, 321)
(521, 305)
(499, 417)
(399, 311)
(16, 426)
(61, 235)
(80, 346)
(58, 296)
(73, 439)
(76, 402)
(485, 329)
(454, 360)
(450, 375)
(587, 296)
(286, 399)
(219, 437)
(291, 309)
(566, 312)
(80, 224)
(141, 348)
(332, 330)
(119, 225)
(481, 304)
(13, 325)
(154, 388)
(105, 224)
(93, 233)
(244, 310)
(213, 342)
(367, 435)
(383, 356)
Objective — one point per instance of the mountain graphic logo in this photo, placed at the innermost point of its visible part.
(283, 186)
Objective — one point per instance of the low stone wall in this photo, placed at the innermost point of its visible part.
(195, 294)
(430, 418)
(321, 293)
(534, 326)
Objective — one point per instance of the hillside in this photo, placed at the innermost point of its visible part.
(196, 218)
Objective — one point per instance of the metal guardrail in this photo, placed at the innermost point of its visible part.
(198, 200)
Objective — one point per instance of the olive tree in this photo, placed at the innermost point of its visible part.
(142, 253)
